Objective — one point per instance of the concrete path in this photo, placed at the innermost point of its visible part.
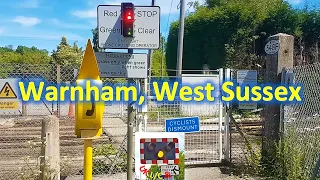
(204, 173)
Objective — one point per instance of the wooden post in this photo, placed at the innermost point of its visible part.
(50, 149)
(24, 108)
(282, 58)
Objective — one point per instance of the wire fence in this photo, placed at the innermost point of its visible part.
(20, 132)
(245, 134)
(301, 122)
(299, 152)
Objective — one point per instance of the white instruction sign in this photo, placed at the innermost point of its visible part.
(272, 47)
(146, 30)
(171, 169)
(250, 78)
(122, 65)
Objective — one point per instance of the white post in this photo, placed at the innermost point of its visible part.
(50, 148)
(226, 121)
(145, 118)
(220, 116)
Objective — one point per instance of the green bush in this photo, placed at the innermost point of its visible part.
(181, 165)
(156, 168)
(103, 166)
(296, 157)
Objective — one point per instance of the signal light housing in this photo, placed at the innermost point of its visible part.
(159, 151)
(127, 19)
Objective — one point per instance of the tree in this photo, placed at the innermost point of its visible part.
(67, 55)
(158, 65)
(33, 55)
(233, 33)
(214, 3)
(10, 57)
(96, 40)
(311, 28)
(8, 48)
(24, 54)
(158, 68)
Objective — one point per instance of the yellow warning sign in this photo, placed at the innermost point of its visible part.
(7, 92)
(5, 105)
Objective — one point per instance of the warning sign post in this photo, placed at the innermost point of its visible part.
(7, 92)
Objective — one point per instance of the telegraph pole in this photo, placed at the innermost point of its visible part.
(180, 39)
(153, 3)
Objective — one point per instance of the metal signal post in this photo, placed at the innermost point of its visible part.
(130, 133)
(127, 19)
(138, 29)
(127, 25)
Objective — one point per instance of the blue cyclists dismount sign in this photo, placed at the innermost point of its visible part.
(188, 124)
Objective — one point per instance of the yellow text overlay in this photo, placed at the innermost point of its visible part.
(162, 90)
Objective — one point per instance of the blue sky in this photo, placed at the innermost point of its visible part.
(42, 23)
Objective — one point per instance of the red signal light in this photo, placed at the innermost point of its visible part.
(127, 25)
(129, 16)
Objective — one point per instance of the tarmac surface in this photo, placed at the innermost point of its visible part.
(203, 173)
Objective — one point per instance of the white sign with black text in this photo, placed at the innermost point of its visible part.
(146, 30)
(122, 65)
(247, 78)
(171, 169)
(272, 47)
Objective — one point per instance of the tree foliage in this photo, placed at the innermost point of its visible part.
(23, 54)
(233, 33)
(158, 60)
(95, 40)
(66, 54)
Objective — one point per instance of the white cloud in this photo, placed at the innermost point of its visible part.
(90, 13)
(61, 24)
(27, 21)
(295, 1)
(29, 4)
(165, 7)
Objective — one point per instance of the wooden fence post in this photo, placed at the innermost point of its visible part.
(24, 108)
(50, 149)
(280, 56)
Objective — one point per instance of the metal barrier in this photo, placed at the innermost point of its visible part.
(201, 147)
